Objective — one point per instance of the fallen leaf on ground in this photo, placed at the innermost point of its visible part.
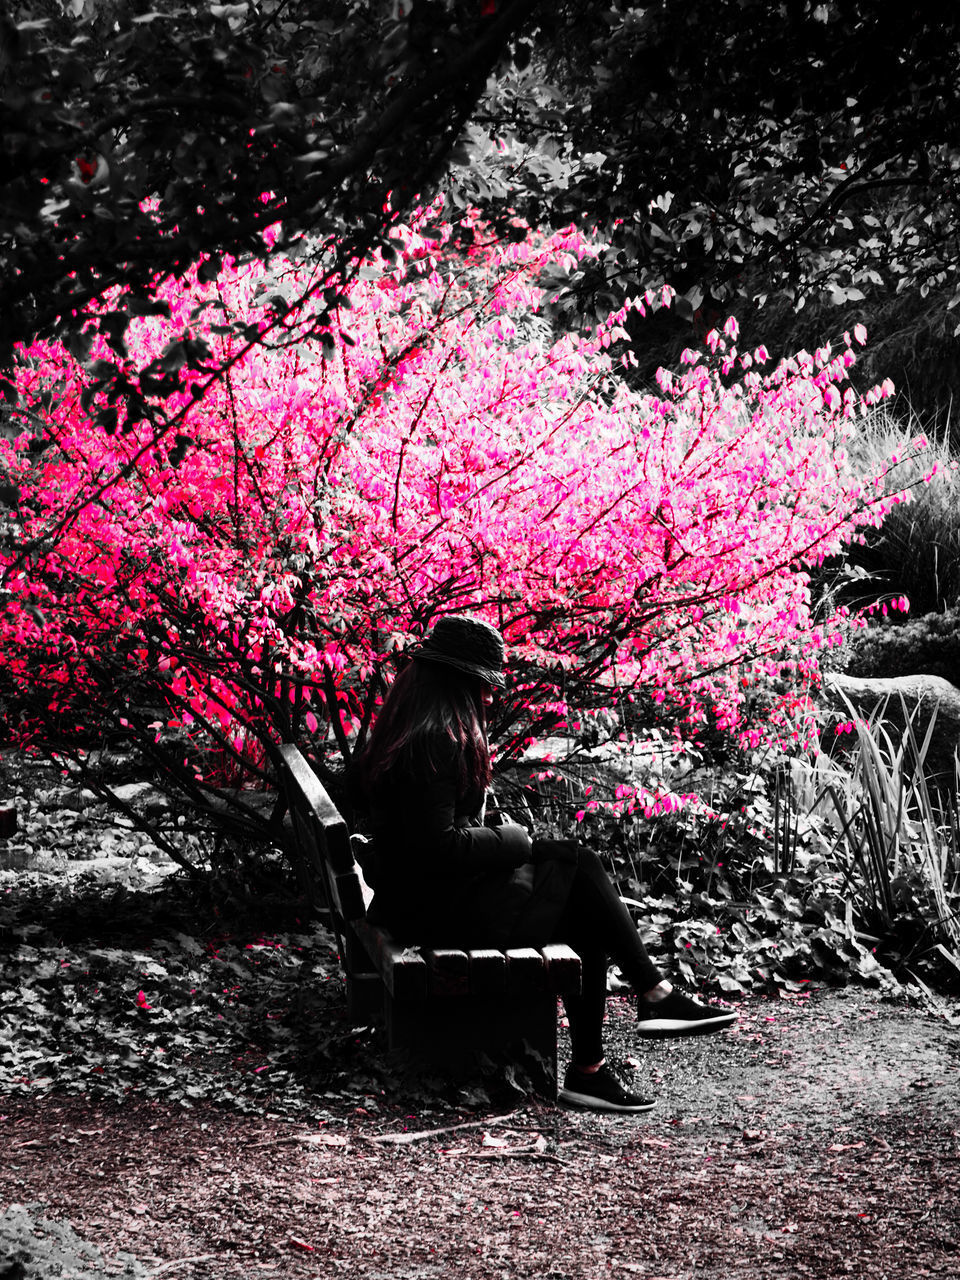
(492, 1140)
(326, 1139)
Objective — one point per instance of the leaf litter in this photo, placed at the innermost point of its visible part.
(233, 1125)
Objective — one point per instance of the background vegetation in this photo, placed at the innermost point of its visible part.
(144, 142)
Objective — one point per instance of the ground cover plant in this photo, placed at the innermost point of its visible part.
(789, 867)
(121, 977)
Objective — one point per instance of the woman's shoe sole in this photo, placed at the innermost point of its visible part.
(668, 1028)
(588, 1102)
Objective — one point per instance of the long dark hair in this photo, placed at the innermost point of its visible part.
(428, 706)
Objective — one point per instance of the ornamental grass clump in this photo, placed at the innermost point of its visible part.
(916, 551)
(896, 845)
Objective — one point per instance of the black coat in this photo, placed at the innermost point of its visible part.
(441, 877)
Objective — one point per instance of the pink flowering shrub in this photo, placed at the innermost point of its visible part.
(431, 447)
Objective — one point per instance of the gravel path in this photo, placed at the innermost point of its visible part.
(821, 1138)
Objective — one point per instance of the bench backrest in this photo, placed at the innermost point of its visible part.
(333, 880)
(322, 842)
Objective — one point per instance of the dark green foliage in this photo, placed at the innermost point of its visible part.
(791, 163)
(927, 645)
(728, 903)
(814, 139)
(757, 885)
(139, 139)
(744, 151)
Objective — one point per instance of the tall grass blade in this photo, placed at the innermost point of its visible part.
(892, 830)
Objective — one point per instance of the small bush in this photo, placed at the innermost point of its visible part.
(927, 645)
(787, 869)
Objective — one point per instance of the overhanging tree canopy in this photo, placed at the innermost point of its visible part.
(734, 149)
(139, 139)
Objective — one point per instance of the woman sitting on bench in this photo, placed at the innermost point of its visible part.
(440, 877)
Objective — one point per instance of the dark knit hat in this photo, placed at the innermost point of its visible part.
(467, 644)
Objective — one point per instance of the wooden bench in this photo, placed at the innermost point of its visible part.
(442, 1007)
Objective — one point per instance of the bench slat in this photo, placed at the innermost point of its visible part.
(563, 966)
(449, 972)
(488, 972)
(406, 974)
(404, 970)
(349, 894)
(333, 829)
(526, 970)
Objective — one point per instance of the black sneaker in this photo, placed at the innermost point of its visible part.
(679, 1015)
(600, 1091)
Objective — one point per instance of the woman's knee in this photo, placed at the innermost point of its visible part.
(589, 863)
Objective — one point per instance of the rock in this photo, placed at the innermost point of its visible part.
(920, 695)
(130, 791)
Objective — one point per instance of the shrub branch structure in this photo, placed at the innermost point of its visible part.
(426, 445)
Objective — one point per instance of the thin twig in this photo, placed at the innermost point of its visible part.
(179, 1262)
(420, 1134)
(417, 1135)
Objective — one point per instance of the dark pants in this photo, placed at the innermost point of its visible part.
(598, 926)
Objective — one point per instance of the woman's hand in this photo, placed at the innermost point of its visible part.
(498, 818)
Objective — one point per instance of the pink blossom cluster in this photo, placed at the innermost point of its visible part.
(427, 445)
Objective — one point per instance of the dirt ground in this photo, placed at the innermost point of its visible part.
(821, 1138)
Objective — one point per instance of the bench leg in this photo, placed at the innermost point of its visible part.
(452, 1034)
(365, 997)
